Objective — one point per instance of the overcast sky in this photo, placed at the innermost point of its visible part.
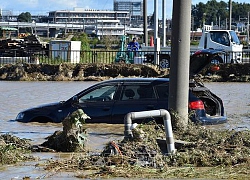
(44, 6)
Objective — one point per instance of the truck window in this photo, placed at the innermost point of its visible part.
(234, 37)
(220, 37)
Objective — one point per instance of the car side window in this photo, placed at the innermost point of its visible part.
(138, 92)
(162, 91)
(104, 93)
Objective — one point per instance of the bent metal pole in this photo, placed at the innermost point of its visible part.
(147, 114)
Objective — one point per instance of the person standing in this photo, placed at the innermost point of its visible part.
(133, 45)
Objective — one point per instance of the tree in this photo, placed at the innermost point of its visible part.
(108, 40)
(24, 17)
(83, 37)
(217, 12)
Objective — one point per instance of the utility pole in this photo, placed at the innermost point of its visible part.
(164, 23)
(180, 60)
(230, 14)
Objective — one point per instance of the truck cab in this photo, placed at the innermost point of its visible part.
(226, 40)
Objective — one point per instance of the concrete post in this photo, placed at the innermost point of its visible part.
(180, 59)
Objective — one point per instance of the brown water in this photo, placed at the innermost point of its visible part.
(236, 99)
(16, 96)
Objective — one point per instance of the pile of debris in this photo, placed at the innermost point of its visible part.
(143, 157)
(14, 149)
(24, 47)
(73, 136)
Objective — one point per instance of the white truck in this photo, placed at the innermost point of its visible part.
(226, 40)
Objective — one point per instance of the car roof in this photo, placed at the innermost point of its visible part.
(140, 79)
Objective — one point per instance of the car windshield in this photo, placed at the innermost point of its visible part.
(104, 93)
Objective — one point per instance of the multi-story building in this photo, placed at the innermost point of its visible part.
(135, 8)
(99, 22)
(86, 17)
(109, 28)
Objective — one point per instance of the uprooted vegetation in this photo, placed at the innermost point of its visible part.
(206, 153)
(14, 149)
(73, 136)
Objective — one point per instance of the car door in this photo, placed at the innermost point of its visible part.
(134, 97)
(162, 91)
(98, 103)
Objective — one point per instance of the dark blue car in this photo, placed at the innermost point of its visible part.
(109, 101)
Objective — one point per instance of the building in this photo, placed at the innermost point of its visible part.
(109, 28)
(86, 17)
(135, 8)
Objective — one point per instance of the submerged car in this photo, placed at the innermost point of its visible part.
(109, 101)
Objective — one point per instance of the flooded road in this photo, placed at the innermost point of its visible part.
(17, 96)
(236, 99)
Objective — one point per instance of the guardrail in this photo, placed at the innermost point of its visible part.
(13, 56)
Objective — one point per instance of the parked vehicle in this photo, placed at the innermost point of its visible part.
(226, 40)
(109, 101)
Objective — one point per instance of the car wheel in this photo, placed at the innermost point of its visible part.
(217, 60)
(164, 63)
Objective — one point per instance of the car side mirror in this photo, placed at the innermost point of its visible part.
(75, 100)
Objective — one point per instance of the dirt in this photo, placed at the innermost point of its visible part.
(14, 149)
(79, 72)
(200, 153)
(99, 72)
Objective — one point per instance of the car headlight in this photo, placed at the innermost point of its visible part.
(20, 115)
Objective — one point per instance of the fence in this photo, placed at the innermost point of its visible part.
(13, 56)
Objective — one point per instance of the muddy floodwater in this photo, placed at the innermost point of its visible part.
(17, 96)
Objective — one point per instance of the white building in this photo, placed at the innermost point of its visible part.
(87, 17)
(109, 27)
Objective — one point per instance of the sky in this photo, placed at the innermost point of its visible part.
(42, 7)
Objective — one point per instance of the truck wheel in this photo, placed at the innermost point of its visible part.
(164, 63)
(217, 60)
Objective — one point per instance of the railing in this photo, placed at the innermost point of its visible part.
(13, 56)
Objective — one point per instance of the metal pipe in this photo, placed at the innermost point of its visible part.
(230, 14)
(153, 113)
(156, 39)
(164, 23)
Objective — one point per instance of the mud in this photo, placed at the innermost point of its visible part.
(146, 157)
(99, 72)
(79, 72)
